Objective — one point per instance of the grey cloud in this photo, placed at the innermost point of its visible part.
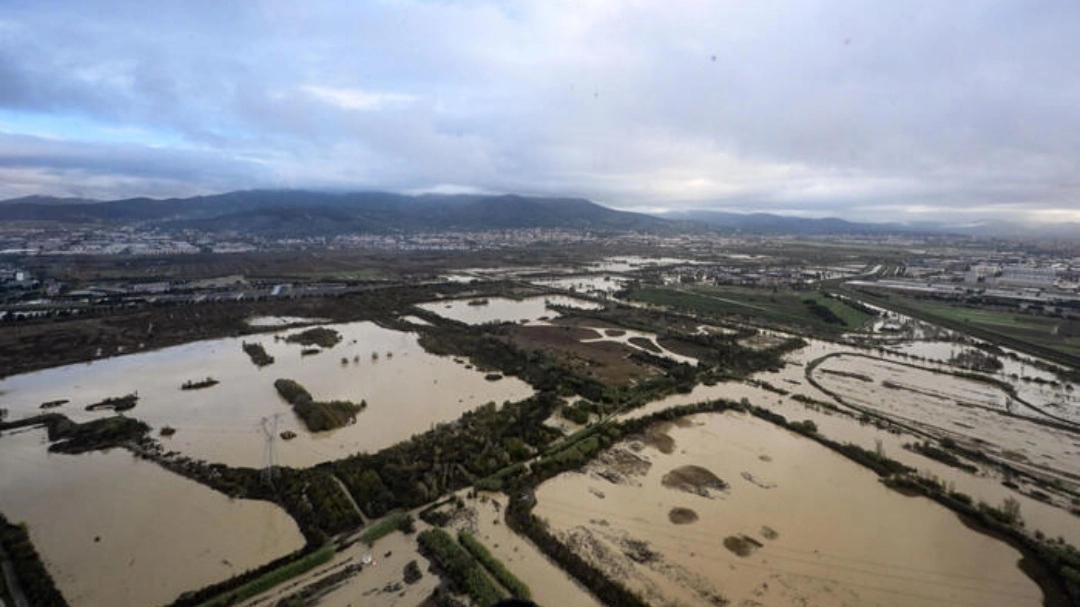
(825, 107)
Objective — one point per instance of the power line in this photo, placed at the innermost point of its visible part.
(269, 428)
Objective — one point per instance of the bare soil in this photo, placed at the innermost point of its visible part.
(606, 361)
(656, 436)
(619, 466)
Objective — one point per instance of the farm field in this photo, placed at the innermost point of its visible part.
(786, 307)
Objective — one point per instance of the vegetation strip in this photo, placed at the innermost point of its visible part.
(258, 354)
(390, 523)
(315, 336)
(463, 569)
(495, 567)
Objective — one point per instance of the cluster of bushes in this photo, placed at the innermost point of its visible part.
(449, 457)
(116, 403)
(579, 411)
(315, 336)
(878, 462)
(935, 453)
(462, 568)
(1008, 513)
(318, 416)
(495, 567)
(489, 349)
(103, 433)
(724, 352)
(257, 353)
(764, 385)
(198, 385)
(973, 359)
(34, 579)
(573, 455)
(496, 482)
(1065, 560)
(395, 521)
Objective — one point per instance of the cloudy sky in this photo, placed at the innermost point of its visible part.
(867, 110)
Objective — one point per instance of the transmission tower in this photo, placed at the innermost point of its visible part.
(269, 428)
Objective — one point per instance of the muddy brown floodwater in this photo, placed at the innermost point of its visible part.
(407, 390)
(953, 406)
(501, 309)
(986, 486)
(116, 530)
(815, 528)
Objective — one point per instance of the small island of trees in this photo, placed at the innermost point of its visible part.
(318, 416)
(258, 354)
(315, 336)
(198, 385)
(116, 403)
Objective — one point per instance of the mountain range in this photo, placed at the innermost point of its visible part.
(279, 213)
(299, 213)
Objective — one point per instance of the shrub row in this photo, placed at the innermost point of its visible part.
(462, 568)
(494, 566)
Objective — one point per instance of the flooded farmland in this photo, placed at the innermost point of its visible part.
(794, 524)
(639, 340)
(407, 390)
(954, 406)
(987, 485)
(599, 285)
(117, 530)
(501, 309)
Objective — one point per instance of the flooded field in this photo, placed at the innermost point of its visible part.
(116, 530)
(407, 390)
(986, 485)
(501, 309)
(281, 321)
(1031, 382)
(786, 522)
(963, 409)
(629, 263)
(600, 285)
(380, 580)
(639, 340)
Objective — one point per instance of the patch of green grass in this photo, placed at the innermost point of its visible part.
(1039, 330)
(785, 306)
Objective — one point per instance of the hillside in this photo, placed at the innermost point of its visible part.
(304, 213)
